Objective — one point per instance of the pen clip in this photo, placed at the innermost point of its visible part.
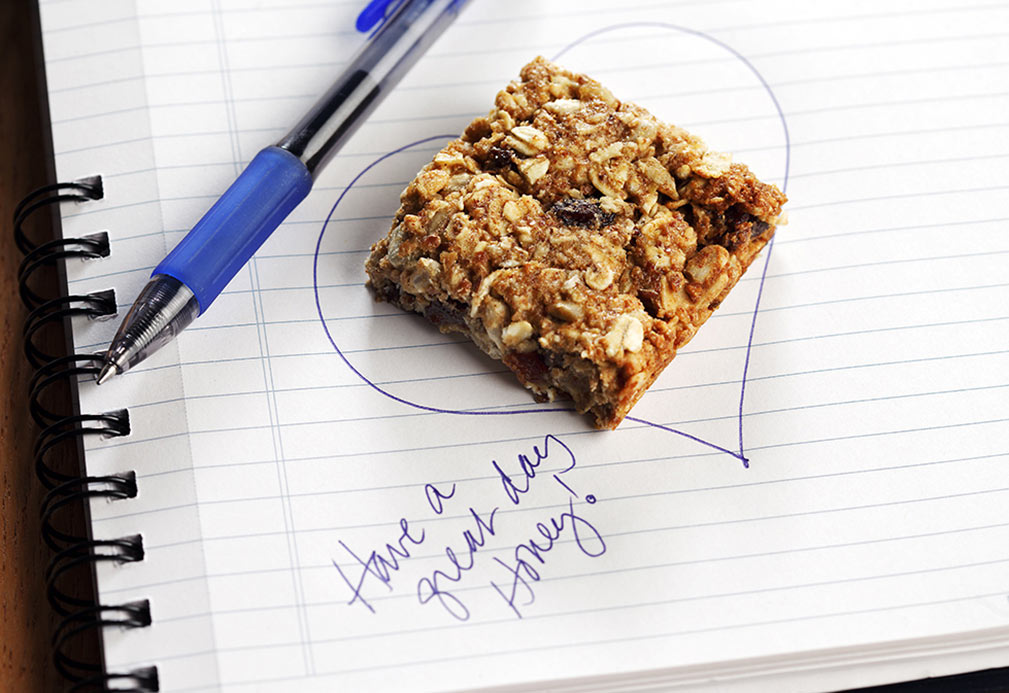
(375, 14)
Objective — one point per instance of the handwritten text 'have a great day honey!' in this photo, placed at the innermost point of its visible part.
(516, 567)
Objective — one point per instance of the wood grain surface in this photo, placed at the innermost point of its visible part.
(26, 620)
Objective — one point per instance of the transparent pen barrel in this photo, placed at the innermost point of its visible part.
(379, 65)
(164, 308)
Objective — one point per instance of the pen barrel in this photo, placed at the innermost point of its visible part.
(222, 242)
(373, 71)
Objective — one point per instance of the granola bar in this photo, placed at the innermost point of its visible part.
(574, 237)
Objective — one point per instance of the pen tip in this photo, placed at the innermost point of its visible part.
(108, 370)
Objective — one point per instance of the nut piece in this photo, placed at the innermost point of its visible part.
(534, 169)
(603, 186)
(604, 154)
(516, 333)
(599, 278)
(494, 313)
(564, 106)
(714, 164)
(430, 182)
(511, 211)
(438, 219)
(657, 174)
(568, 311)
(706, 264)
(594, 91)
(527, 140)
(398, 255)
(422, 277)
(449, 158)
(627, 334)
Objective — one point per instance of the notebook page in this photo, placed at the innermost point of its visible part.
(333, 494)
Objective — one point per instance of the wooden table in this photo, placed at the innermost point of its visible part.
(26, 620)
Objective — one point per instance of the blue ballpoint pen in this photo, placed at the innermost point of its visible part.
(188, 280)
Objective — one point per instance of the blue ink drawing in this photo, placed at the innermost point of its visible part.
(739, 453)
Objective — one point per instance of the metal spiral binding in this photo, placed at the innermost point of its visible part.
(67, 488)
(95, 305)
(77, 191)
(47, 254)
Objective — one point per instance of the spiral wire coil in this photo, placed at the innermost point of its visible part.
(60, 430)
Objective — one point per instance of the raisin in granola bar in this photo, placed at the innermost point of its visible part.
(574, 237)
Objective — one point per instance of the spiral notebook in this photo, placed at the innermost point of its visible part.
(311, 491)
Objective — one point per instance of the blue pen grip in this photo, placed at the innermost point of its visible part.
(220, 244)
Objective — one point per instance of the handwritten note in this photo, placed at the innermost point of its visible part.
(522, 565)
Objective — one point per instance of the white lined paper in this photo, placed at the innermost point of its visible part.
(876, 414)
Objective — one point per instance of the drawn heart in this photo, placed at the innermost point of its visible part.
(705, 75)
